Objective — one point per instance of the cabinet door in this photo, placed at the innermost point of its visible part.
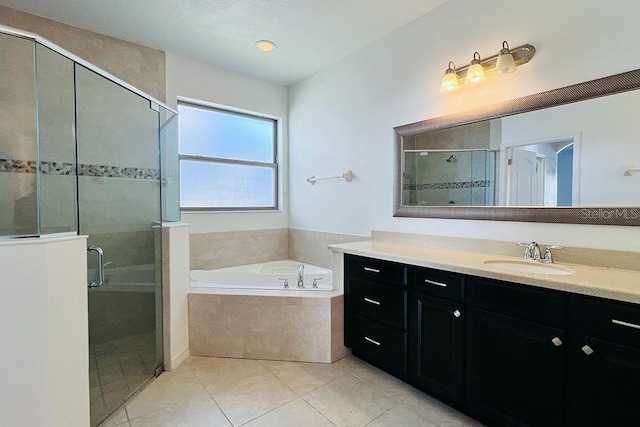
(516, 372)
(437, 363)
(604, 384)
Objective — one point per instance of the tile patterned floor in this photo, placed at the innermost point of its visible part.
(117, 369)
(209, 391)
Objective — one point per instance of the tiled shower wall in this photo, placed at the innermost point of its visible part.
(140, 66)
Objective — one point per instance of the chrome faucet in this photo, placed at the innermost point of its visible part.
(532, 251)
(301, 276)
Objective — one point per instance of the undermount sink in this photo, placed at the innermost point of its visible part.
(522, 266)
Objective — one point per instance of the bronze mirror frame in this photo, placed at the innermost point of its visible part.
(628, 216)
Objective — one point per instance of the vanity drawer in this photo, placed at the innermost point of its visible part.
(377, 270)
(385, 304)
(611, 320)
(439, 283)
(379, 345)
(521, 301)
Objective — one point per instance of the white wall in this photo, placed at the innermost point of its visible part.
(196, 80)
(44, 362)
(343, 117)
(175, 270)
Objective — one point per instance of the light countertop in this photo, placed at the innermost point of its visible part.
(622, 285)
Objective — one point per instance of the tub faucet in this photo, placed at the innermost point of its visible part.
(301, 276)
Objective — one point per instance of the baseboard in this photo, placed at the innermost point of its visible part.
(178, 359)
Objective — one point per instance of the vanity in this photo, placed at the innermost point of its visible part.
(501, 339)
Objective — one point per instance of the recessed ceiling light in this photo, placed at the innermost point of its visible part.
(265, 45)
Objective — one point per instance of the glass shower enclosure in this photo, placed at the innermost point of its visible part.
(83, 153)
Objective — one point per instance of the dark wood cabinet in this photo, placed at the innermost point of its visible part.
(604, 363)
(506, 354)
(517, 371)
(376, 312)
(437, 355)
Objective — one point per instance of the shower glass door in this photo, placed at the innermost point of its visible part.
(119, 210)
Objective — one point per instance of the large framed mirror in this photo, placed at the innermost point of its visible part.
(569, 155)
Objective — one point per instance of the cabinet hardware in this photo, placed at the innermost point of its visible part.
(587, 350)
(457, 313)
(627, 324)
(372, 270)
(372, 341)
(557, 342)
(370, 301)
(431, 282)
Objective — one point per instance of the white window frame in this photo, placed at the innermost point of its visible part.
(208, 159)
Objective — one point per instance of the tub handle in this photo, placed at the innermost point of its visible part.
(100, 253)
(315, 282)
(286, 282)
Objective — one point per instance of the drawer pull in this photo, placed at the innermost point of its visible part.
(557, 342)
(627, 324)
(370, 301)
(371, 270)
(587, 350)
(372, 341)
(431, 282)
(457, 313)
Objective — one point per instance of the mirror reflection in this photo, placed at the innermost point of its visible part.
(573, 155)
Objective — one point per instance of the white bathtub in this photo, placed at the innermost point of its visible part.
(265, 276)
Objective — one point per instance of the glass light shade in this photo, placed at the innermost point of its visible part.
(475, 73)
(449, 82)
(505, 63)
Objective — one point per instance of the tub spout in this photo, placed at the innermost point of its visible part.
(301, 276)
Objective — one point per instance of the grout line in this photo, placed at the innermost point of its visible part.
(224, 414)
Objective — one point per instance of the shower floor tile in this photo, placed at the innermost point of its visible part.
(116, 370)
(349, 392)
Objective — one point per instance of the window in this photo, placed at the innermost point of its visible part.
(227, 160)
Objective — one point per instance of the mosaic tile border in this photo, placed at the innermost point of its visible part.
(62, 168)
(447, 185)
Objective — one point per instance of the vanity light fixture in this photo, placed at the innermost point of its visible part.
(475, 74)
(266, 45)
(450, 79)
(505, 62)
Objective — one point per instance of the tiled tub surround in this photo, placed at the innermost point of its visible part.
(209, 251)
(613, 283)
(304, 326)
(312, 246)
(278, 325)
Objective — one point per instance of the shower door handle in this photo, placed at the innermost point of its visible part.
(100, 253)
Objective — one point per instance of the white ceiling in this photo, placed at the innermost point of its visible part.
(310, 34)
